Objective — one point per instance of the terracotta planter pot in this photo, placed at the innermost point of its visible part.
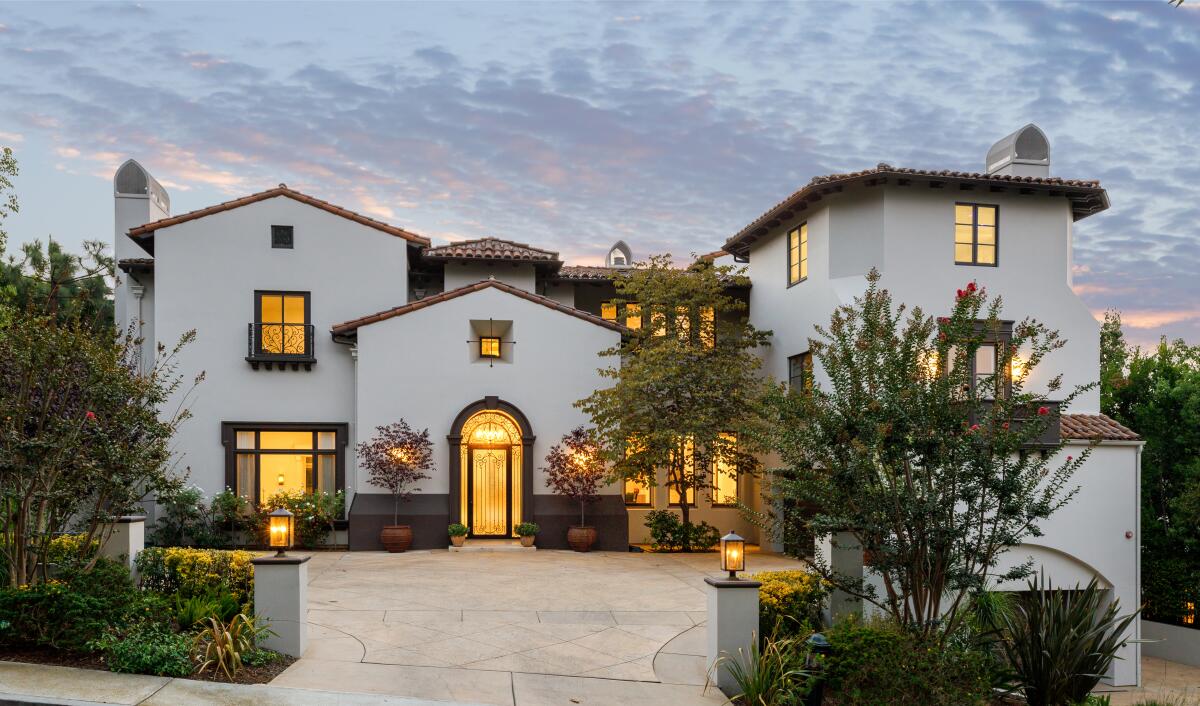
(396, 538)
(457, 540)
(581, 539)
(527, 541)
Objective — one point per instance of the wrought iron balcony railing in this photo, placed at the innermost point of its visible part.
(282, 345)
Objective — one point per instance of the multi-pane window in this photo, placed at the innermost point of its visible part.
(725, 474)
(800, 377)
(707, 326)
(281, 237)
(282, 322)
(489, 346)
(797, 243)
(608, 311)
(633, 316)
(985, 363)
(637, 494)
(269, 462)
(688, 471)
(975, 233)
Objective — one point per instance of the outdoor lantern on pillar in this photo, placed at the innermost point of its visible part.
(733, 554)
(283, 528)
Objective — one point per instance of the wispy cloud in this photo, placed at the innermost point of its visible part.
(668, 125)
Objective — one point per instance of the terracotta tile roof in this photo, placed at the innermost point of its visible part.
(490, 249)
(1095, 426)
(587, 272)
(136, 263)
(354, 324)
(1087, 196)
(714, 255)
(147, 230)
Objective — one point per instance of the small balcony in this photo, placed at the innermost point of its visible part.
(281, 345)
(1050, 436)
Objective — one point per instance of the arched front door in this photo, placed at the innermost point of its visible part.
(491, 460)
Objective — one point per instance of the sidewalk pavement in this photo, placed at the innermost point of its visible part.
(22, 684)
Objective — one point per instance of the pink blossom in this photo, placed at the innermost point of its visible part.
(1004, 425)
(971, 286)
(1042, 411)
(91, 415)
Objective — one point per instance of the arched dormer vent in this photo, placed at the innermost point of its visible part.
(1025, 152)
(132, 179)
(619, 255)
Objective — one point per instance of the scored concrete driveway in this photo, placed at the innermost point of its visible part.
(511, 628)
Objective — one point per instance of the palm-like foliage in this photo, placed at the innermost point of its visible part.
(1061, 642)
(222, 646)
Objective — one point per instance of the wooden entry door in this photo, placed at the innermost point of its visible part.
(490, 493)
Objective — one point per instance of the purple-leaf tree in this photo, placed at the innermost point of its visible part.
(396, 457)
(575, 468)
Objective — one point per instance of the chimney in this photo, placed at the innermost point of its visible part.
(1025, 153)
(137, 199)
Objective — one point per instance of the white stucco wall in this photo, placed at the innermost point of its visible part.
(460, 274)
(418, 367)
(914, 251)
(207, 272)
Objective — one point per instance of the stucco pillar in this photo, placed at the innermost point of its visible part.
(732, 627)
(843, 554)
(125, 538)
(281, 600)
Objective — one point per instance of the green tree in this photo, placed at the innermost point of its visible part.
(1114, 359)
(83, 434)
(1158, 395)
(916, 456)
(687, 387)
(52, 281)
(8, 200)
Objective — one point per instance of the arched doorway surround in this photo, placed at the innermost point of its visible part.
(491, 468)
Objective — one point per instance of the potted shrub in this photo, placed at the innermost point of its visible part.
(395, 458)
(458, 534)
(575, 469)
(526, 531)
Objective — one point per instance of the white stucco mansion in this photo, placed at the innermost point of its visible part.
(316, 324)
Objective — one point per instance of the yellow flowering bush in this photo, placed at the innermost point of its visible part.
(789, 601)
(194, 572)
(71, 547)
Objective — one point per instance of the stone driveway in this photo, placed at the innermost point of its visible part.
(511, 628)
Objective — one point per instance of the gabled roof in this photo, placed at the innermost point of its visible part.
(146, 231)
(1087, 197)
(491, 249)
(349, 327)
(1095, 426)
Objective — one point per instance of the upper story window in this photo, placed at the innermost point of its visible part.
(281, 237)
(281, 331)
(489, 347)
(800, 375)
(975, 234)
(633, 316)
(797, 243)
(608, 311)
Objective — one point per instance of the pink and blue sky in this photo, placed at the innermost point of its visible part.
(570, 125)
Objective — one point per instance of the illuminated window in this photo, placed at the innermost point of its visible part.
(985, 362)
(1189, 613)
(800, 375)
(282, 323)
(683, 323)
(633, 316)
(797, 241)
(689, 461)
(707, 327)
(658, 320)
(608, 311)
(637, 494)
(975, 234)
(271, 461)
(725, 473)
(489, 347)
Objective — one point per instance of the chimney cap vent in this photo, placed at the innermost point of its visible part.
(1025, 152)
(132, 179)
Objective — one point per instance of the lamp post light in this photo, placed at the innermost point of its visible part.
(733, 554)
(818, 649)
(282, 529)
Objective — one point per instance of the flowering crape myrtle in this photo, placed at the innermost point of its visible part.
(933, 469)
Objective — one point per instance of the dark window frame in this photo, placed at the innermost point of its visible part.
(484, 339)
(805, 377)
(283, 237)
(229, 432)
(737, 485)
(975, 234)
(650, 494)
(258, 351)
(998, 340)
(801, 231)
